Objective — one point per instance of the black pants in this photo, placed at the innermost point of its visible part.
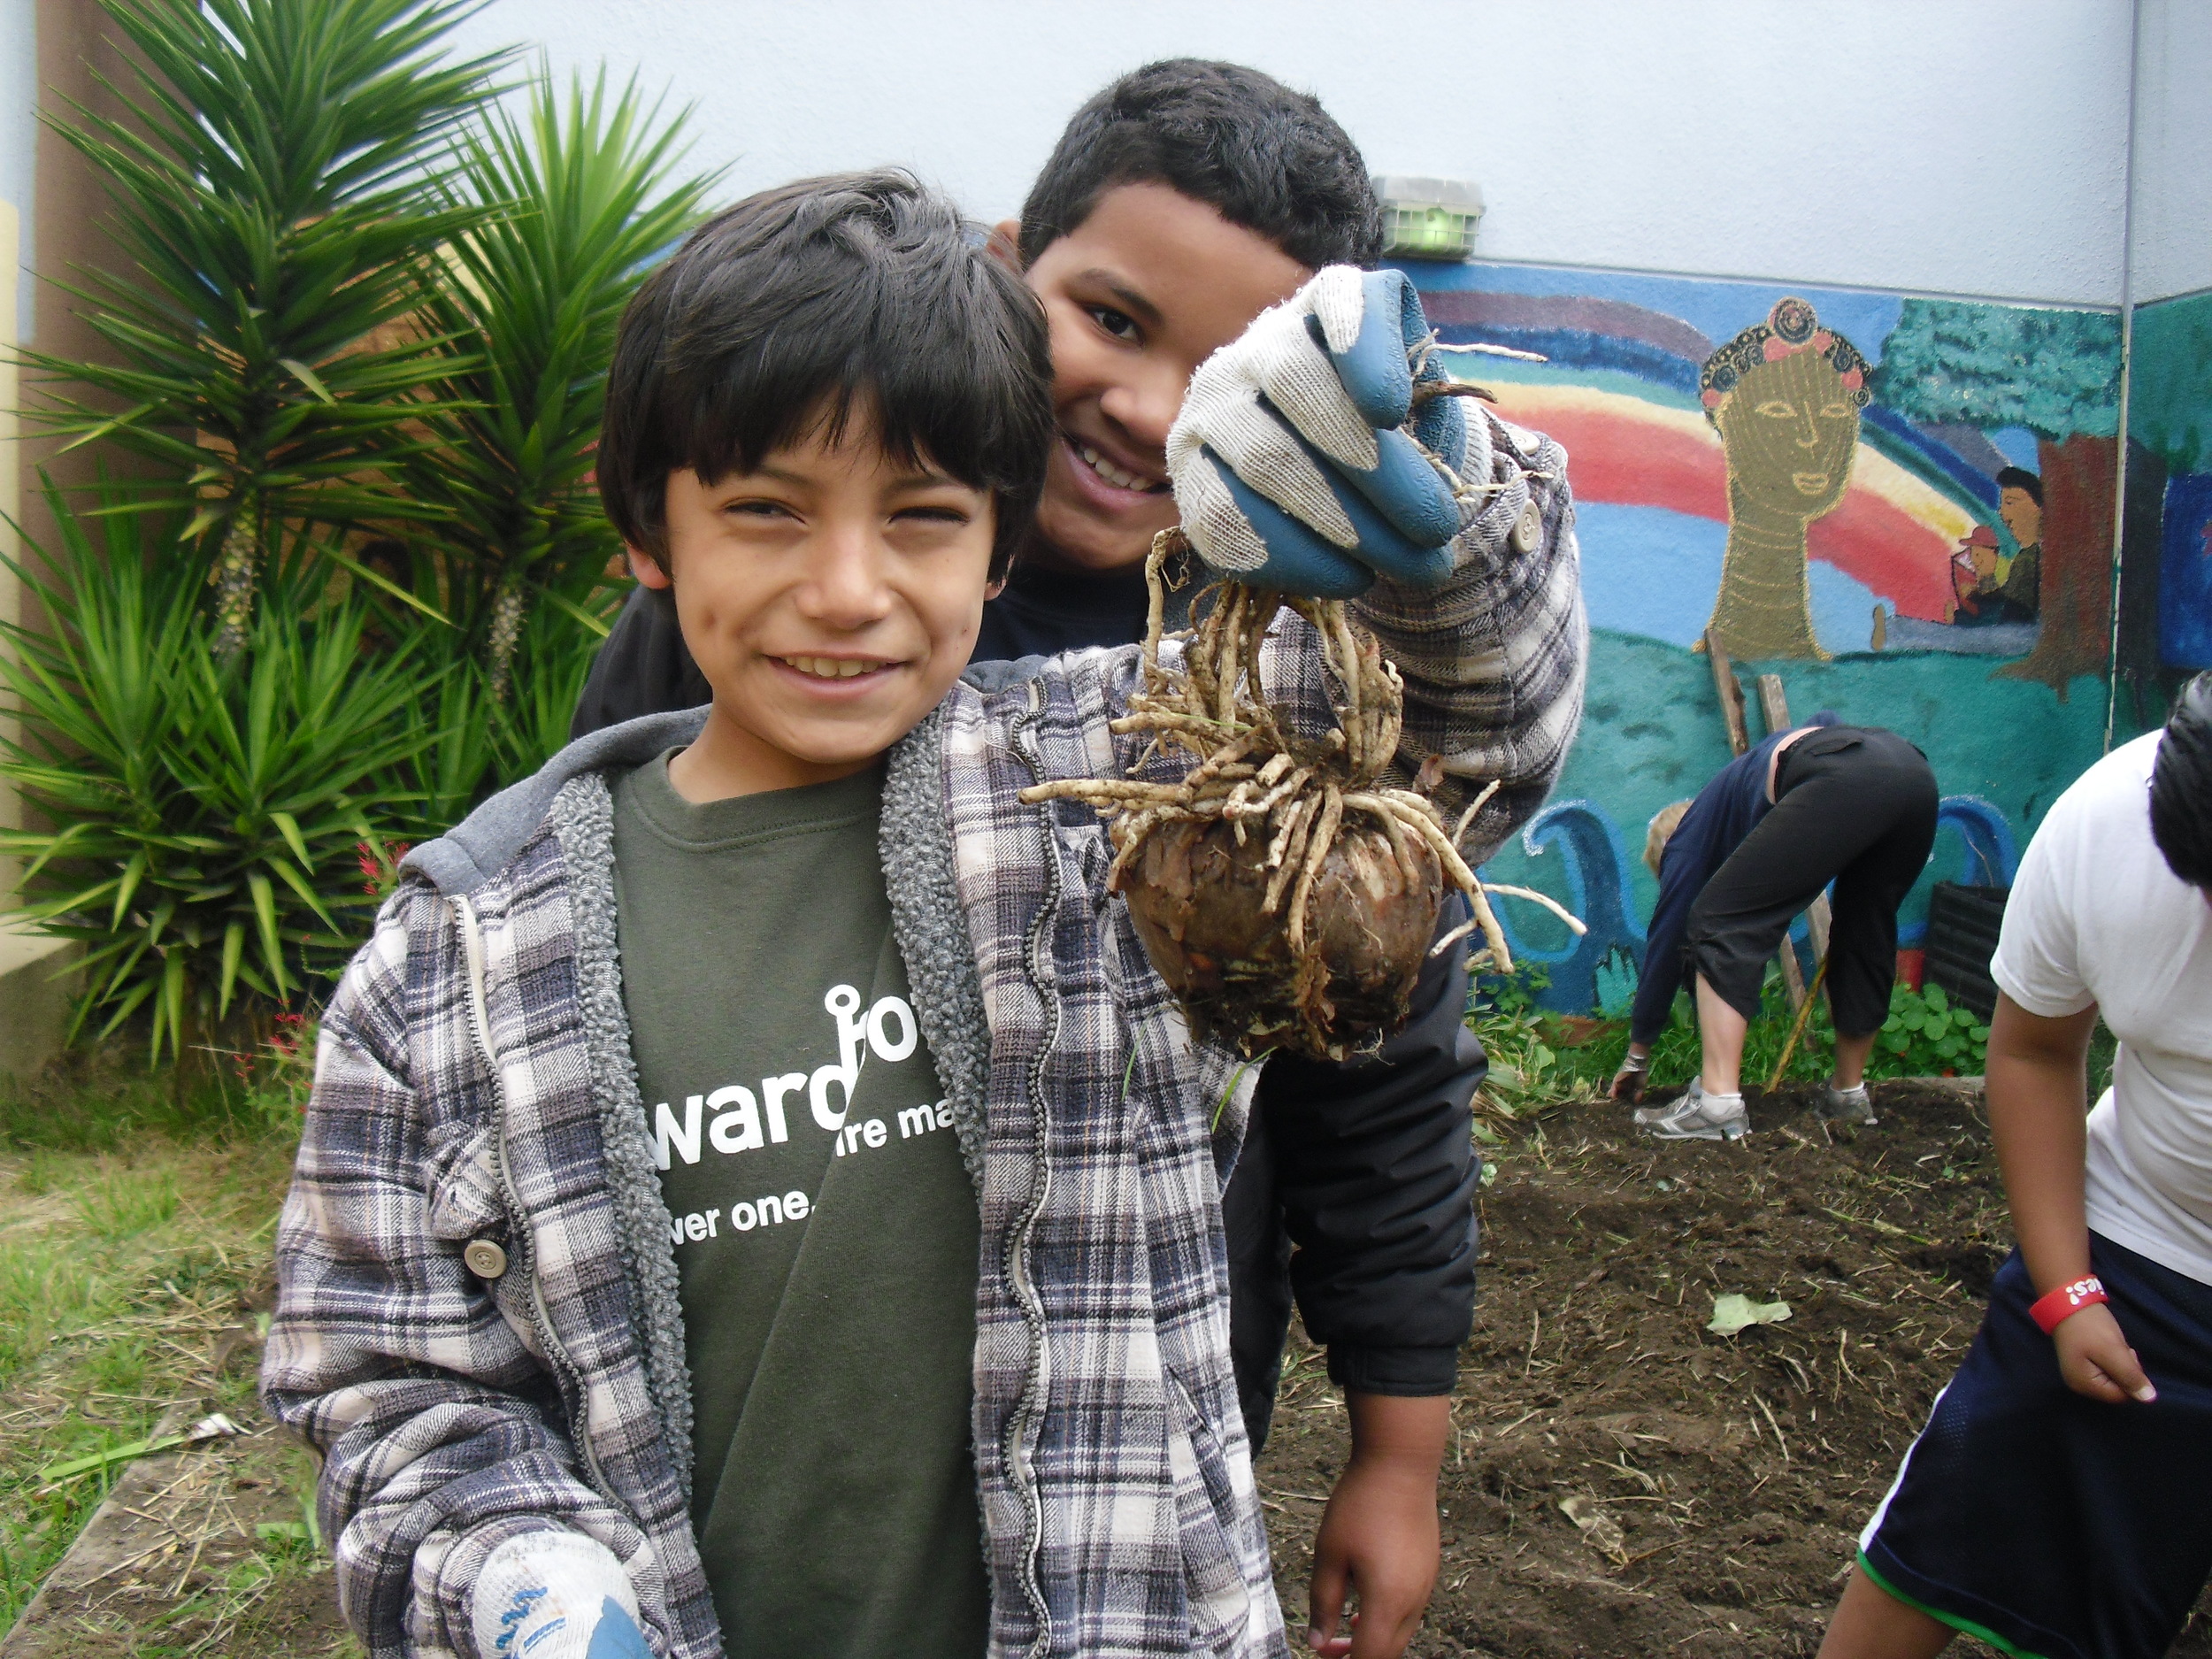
(1855, 805)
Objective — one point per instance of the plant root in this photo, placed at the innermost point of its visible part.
(1285, 892)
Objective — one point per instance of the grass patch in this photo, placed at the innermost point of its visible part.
(107, 1100)
(136, 1210)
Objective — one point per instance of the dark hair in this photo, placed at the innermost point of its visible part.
(799, 301)
(1259, 154)
(2181, 786)
(2020, 477)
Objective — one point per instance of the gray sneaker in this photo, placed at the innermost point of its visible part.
(1845, 1106)
(1697, 1116)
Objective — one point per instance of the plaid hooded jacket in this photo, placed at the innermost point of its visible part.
(474, 1087)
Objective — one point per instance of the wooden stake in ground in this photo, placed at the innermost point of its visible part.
(1797, 1025)
(1774, 704)
(1730, 690)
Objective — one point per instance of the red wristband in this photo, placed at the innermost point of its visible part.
(2053, 1310)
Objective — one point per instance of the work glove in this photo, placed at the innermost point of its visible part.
(1628, 1082)
(1297, 459)
(555, 1594)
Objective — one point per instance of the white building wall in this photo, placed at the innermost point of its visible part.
(1949, 145)
(2173, 149)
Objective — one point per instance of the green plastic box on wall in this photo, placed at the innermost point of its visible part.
(1428, 219)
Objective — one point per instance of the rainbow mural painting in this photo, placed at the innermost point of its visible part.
(1619, 388)
(1626, 383)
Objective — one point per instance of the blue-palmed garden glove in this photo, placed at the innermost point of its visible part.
(1297, 459)
(555, 1594)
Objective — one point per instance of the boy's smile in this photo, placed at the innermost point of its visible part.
(831, 597)
(1150, 284)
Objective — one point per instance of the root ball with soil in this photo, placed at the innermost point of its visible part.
(1285, 892)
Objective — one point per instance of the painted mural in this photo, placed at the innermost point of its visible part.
(2166, 560)
(1903, 507)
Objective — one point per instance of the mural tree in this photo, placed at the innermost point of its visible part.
(2056, 374)
(2166, 613)
(2169, 395)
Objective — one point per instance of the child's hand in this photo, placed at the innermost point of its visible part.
(1288, 464)
(555, 1594)
(1379, 1535)
(2095, 1358)
(1628, 1082)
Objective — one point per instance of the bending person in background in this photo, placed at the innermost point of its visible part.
(2054, 1503)
(1855, 805)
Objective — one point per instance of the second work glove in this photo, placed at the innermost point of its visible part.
(555, 1594)
(1298, 459)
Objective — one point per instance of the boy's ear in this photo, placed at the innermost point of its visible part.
(1004, 244)
(995, 590)
(647, 569)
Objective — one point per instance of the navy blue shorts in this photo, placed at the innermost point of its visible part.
(2042, 1521)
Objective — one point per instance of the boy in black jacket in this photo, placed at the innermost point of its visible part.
(1182, 201)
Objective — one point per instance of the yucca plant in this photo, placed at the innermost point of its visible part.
(555, 656)
(211, 813)
(463, 744)
(571, 198)
(265, 175)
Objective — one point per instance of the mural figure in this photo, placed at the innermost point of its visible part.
(2057, 374)
(1801, 469)
(2020, 504)
(1976, 599)
(1785, 396)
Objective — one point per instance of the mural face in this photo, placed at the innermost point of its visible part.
(1790, 455)
(2023, 515)
(1785, 397)
(1903, 508)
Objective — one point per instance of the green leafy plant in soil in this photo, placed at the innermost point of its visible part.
(1551, 1059)
(567, 202)
(357, 340)
(1926, 1034)
(1535, 1060)
(1541, 1059)
(210, 812)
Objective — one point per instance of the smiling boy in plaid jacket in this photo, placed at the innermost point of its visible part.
(628, 1288)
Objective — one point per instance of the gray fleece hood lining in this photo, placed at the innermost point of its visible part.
(468, 855)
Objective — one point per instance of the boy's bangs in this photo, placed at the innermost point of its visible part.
(907, 372)
(862, 297)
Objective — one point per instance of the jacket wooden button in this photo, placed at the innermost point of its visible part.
(1528, 529)
(484, 1259)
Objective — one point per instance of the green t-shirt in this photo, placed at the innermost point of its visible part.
(826, 1232)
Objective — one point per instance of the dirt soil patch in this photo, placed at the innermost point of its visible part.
(202, 1550)
(1623, 1482)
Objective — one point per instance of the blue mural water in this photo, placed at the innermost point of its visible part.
(2185, 573)
(1596, 876)
(1991, 855)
